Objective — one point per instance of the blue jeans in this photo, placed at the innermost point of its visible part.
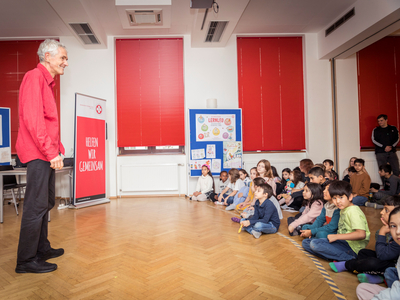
(261, 227)
(360, 200)
(230, 199)
(338, 250)
(391, 275)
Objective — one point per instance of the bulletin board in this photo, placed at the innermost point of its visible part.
(5, 136)
(215, 139)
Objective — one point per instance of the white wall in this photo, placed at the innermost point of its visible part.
(208, 73)
(347, 110)
(370, 17)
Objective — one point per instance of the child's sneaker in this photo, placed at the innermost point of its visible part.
(230, 207)
(378, 206)
(234, 219)
(370, 204)
(219, 203)
(256, 234)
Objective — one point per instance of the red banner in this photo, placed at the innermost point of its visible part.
(90, 149)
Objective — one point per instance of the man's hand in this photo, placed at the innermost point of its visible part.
(388, 148)
(57, 163)
(373, 190)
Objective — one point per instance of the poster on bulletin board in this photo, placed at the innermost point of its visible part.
(215, 140)
(5, 136)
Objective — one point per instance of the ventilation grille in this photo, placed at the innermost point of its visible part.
(215, 31)
(144, 17)
(85, 33)
(340, 22)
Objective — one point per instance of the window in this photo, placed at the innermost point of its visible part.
(17, 58)
(153, 150)
(271, 93)
(150, 95)
(378, 85)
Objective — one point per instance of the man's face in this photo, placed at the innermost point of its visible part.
(382, 122)
(58, 62)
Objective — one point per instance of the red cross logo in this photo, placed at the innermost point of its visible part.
(99, 109)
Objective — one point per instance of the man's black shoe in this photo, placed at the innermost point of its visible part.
(36, 266)
(52, 253)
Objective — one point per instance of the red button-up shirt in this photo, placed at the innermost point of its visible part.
(38, 134)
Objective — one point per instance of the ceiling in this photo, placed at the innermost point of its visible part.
(50, 18)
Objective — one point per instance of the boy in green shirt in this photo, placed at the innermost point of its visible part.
(353, 232)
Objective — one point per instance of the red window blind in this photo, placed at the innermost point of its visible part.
(17, 58)
(150, 94)
(271, 92)
(378, 68)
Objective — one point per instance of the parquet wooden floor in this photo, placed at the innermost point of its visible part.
(166, 248)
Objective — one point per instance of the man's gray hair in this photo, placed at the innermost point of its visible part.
(50, 46)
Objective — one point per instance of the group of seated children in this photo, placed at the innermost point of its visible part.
(330, 220)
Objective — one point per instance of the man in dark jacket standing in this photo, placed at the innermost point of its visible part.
(385, 137)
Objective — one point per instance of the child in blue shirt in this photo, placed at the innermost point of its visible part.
(265, 218)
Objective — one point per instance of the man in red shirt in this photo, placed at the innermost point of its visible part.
(39, 146)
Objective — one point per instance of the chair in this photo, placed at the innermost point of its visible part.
(10, 183)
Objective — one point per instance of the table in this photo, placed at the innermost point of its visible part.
(22, 171)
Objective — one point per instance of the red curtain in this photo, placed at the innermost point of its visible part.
(271, 93)
(150, 93)
(17, 58)
(378, 68)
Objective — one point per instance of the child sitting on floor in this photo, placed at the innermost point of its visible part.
(265, 218)
(235, 184)
(391, 186)
(205, 185)
(250, 198)
(244, 192)
(222, 183)
(315, 175)
(282, 183)
(245, 177)
(360, 182)
(313, 196)
(265, 171)
(350, 172)
(353, 232)
(367, 291)
(327, 221)
(371, 265)
(296, 186)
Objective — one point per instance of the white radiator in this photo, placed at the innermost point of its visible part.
(278, 164)
(149, 177)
